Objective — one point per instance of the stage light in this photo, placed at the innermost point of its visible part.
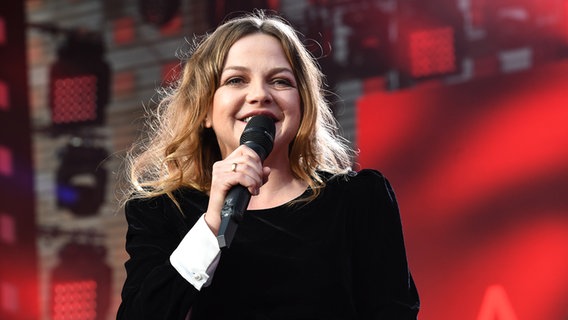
(430, 40)
(432, 51)
(368, 42)
(6, 161)
(81, 179)
(2, 31)
(536, 26)
(511, 24)
(80, 284)
(158, 12)
(79, 83)
(4, 96)
(220, 10)
(19, 292)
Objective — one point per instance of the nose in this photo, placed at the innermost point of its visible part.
(259, 93)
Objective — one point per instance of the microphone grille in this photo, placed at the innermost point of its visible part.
(260, 130)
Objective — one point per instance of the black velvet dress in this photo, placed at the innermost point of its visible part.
(340, 256)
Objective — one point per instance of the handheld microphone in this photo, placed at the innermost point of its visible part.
(259, 136)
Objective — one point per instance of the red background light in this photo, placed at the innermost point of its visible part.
(7, 229)
(3, 37)
(75, 99)
(432, 52)
(75, 300)
(4, 96)
(6, 166)
(481, 173)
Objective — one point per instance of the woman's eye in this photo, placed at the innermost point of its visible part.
(234, 81)
(282, 82)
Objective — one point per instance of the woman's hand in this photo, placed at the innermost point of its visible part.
(243, 166)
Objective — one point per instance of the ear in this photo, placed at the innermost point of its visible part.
(207, 123)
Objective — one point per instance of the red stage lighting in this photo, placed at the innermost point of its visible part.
(18, 269)
(477, 13)
(2, 31)
(158, 12)
(430, 41)
(368, 42)
(6, 165)
(432, 52)
(4, 96)
(7, 229)
(80, 284)
(74, 99)
(221, 10)
(79, 83)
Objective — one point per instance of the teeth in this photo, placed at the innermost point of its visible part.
(247, 119)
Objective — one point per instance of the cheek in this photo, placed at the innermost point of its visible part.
(218, 100)
(292, 104)
(293, 120)
(222, 104)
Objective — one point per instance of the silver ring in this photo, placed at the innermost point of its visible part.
(234, 167)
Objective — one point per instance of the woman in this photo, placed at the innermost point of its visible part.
(318, 241)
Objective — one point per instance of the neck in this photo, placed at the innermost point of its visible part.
(280, 188)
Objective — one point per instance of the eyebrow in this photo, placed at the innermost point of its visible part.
(272, 71)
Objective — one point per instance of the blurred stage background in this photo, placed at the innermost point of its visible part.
(462, 104)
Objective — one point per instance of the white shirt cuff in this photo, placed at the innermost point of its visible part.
(197, 255)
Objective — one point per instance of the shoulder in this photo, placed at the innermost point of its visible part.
(188, 202)
(364, 178)
(138, 202)
(362, 187)
(161, 216)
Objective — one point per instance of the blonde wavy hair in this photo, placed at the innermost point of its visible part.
(179, 151)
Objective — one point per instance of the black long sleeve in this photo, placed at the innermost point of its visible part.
(153, 288)
(341, 256)
(383, 285)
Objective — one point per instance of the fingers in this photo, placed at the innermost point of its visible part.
(243, 166)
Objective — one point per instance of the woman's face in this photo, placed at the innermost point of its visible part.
(256, 79)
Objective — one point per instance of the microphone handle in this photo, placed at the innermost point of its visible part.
(236, 203)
